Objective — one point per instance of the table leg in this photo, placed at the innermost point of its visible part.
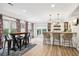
(20, 44)
(14, 42)
(9, 46)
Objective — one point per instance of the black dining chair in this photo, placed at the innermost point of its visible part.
(26, 39)
(8, 41)
(19, 41)
(1, 48)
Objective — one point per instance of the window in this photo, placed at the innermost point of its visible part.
(6, 25)
(13, 26)
(38, 31)
(9, 26)
(22, 26)
(43, 30)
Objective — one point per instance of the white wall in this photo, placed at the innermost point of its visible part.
(22, 26)
(75, 29)
(30, 29)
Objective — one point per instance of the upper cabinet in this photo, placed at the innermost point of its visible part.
(57, 27)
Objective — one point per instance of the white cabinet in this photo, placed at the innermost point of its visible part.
(57, 27)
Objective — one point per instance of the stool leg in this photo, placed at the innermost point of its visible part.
(69, 43)
(64, 42)
(59, 42)
(53, 41)
(72, 45)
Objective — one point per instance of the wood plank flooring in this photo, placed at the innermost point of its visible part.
(50, 50)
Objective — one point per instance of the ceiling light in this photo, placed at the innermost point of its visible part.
(24, 10)
(52, 5)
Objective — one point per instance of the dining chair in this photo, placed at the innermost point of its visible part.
(56, 38)
(18, 42)
(46, 38)
(26, 39)
(67, 39)
(8, 46)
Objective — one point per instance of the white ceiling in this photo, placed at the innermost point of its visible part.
(38, 12)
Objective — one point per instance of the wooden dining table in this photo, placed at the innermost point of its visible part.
(18, 34)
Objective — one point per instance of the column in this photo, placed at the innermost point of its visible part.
(1, 30)
(18, 25)
(32, 30)
(26, 26)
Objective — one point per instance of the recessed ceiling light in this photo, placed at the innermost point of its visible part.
(24, 10)
(52, 5)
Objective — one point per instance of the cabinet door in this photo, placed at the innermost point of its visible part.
(49, 26)
(65, 26)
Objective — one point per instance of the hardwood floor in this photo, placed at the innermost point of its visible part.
(50, 50)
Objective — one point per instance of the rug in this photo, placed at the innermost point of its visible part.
(18, 52)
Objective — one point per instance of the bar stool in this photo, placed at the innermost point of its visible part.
(56, 38)
(67, 38)
(46, 38)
